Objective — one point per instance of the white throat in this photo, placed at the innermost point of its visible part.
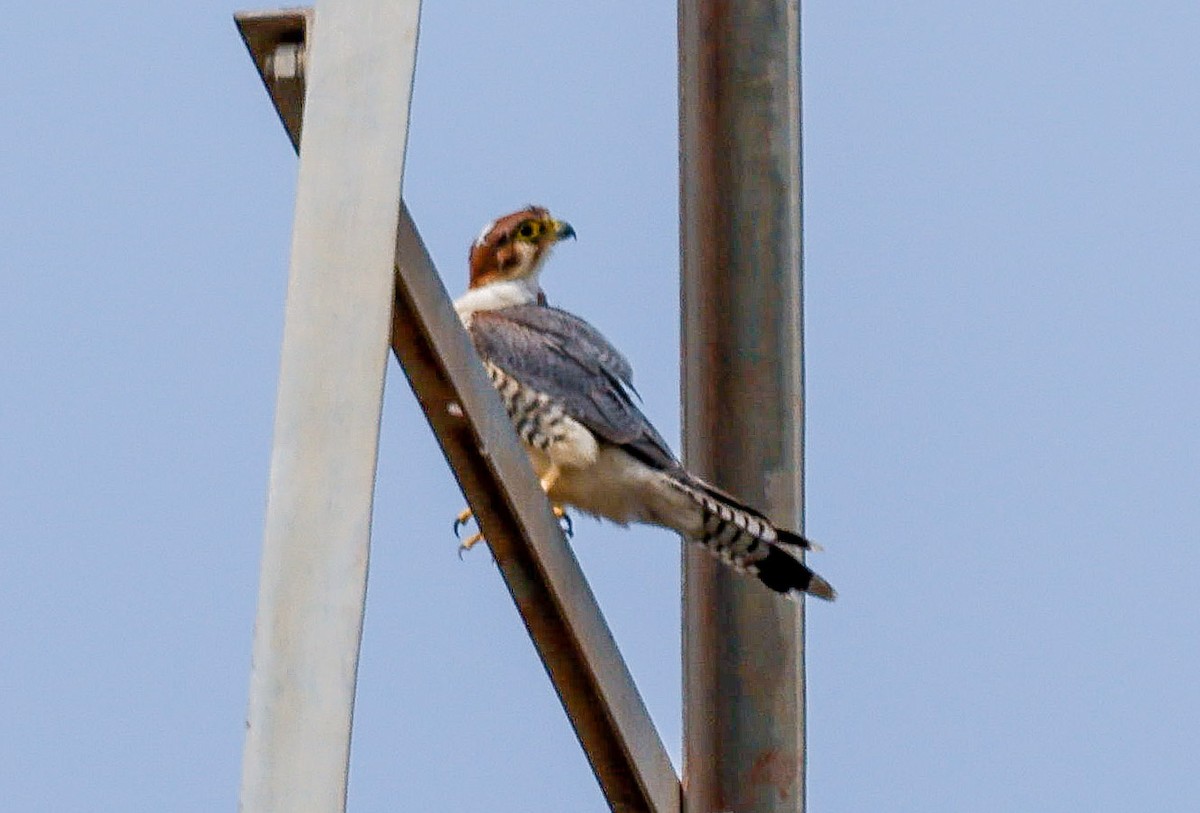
(496, 295)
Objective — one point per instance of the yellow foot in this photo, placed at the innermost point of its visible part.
(547, 481)
(567, 526)
(469, 543)
(465, 515)
(459, 521)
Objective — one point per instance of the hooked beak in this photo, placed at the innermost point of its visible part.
(563, 230)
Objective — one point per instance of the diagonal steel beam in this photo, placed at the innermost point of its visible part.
(543, 576)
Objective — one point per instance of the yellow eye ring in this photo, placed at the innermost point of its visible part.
(530, 230)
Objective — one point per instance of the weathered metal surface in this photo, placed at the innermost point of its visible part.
(264, 32)
(336, 334)
(541, 573)
(743, 391)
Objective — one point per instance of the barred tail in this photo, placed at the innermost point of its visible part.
(745, 539)
(786, 574)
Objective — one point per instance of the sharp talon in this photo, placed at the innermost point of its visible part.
(468, 544)
(568, 525)
(461, 520)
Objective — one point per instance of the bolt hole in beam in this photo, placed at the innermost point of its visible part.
(543, 576)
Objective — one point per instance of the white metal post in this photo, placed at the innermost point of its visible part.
(359, 70)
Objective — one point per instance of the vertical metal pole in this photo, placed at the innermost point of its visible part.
(337, 328)
(743, 388)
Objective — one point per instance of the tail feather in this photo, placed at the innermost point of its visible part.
(721, 503)
(786, 574)
(791, 539)
(747, 540)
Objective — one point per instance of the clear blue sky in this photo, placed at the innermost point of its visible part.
(1002, 303)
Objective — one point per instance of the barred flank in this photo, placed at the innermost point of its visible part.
(538, 421)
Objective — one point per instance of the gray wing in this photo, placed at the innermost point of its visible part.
(561, 355)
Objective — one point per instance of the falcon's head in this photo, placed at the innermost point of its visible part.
(514, 247)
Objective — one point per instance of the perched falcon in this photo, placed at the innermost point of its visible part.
(569, 395)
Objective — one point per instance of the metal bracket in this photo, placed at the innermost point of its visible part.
(285, 63)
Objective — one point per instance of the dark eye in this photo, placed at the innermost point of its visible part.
(529, 230)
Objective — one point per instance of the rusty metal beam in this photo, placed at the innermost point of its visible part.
(276, 41)
(541, 572)
(740, 195)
